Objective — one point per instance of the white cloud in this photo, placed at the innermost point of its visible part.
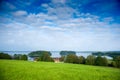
(20, 13)
(45, 5)
(58, 1)
(61, 12)
(52, 28)
(108, 19)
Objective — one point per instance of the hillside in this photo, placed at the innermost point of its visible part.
(26, 70)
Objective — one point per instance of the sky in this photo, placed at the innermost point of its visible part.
(80, 25)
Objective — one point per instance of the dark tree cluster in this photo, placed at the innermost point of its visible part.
(46, 57)
(20, 57)
(71, 58)
(91, 60)
(115, 62)
(112, 54)
(38, 53)
(41, 56)
(101, 61)
(64, 53)
(5, 56)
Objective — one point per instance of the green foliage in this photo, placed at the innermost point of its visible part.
(112, 54)
(64, 53)
(36, 59)
(71, 58)
(98, 53)
(24, 57)
(112, 64)
(38, 53)
(27, 70)
(101, 61)
(104, 61)
(5, 56)
(41, 56)
(81, 60)
(20, 57)
(90, 60)
(62, 58)
(17, 56)
(117, 61)
(46, 57)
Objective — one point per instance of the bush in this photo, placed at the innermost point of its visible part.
(90, 60)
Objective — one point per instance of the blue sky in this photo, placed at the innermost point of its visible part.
(82, 25)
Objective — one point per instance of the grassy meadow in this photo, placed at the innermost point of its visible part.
(28, 70)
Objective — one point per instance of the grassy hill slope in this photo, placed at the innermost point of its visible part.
(26, 70)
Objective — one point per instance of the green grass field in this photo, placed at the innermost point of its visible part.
(27, 70)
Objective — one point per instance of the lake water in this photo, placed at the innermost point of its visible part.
(54, 53)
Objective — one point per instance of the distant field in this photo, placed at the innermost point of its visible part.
(26, 70)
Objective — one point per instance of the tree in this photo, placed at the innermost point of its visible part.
(46, 57)
(41, 56)
(65, 53)
(117, 61)
(24, 57)
(81, 60)
(16, 56)
(5, 56)
(62, 58)
(71, 58)
(104, 61)
(101, 61)
(98, 61)
(90, 60)
(38, 53)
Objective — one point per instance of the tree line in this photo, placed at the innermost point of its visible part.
(67, 57)
(112, 54)
(15, 56)
(91, 60)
